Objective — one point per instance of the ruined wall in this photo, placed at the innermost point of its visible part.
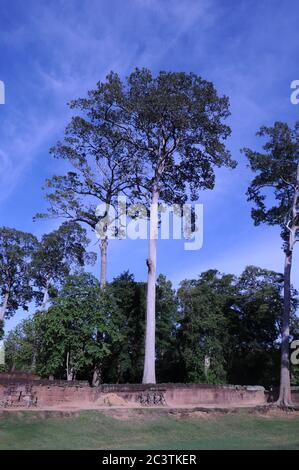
(190, 394)
(44, 393)
(27, 390)
(17, 375)
(273, 394)
(20, 393)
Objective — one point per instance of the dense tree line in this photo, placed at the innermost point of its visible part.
(218, 328)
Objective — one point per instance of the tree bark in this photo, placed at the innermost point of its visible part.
(103, 274)
(69, 370)
(33, 361)
(96, 377)
(285, 384)
(285, 398)
(3, 308)
(207, 364)
(46, 296)
(149, 372)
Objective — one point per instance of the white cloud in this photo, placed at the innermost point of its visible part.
(19, 150)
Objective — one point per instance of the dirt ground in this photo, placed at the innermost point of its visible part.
(124, 411)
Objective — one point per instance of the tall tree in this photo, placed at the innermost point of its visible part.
(100, 167)
(173, 127)
(275, 191)
(57, 254)
(16, 249)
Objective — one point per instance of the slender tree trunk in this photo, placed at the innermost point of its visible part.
(103, 274)
(3, 308)
(97, 376)
(46, 296)
(207, 364)
(149, 372)
(69, 370)
(285, 385)
(70, 375)
(285, 397)
(33, 361)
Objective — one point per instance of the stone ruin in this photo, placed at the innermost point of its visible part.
(22, 390)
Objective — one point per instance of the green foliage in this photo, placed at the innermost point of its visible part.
(255, 327)
(156, 118)
(58, 253)
(67, 335)
(295, 375)
(16, 249)
(71, 328)
(20, 346)
(275, 193)
(126, 362)
(166, 330)
(215, 329)
(99, 163)
(203, 335)
(234, 325)
(273, 188)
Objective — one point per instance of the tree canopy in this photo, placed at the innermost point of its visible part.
(16, 249)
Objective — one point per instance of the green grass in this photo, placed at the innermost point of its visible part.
(94, 430)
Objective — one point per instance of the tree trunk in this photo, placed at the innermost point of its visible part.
(33, 362)
(69, 370)
(46, 296)
(207, 364)
(3, 308)
(285, 397)
(149, 373)
(103, 274)
(70, 375)
(96, 377)
(285, 384)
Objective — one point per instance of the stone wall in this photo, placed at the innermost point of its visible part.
(20, 393)
(189, 394)
(44, 393)
(17, 375)
(273, 395)
(295, 395)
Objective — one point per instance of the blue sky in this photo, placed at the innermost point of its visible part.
(53, 51)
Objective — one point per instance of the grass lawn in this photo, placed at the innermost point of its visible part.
(94, 430)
